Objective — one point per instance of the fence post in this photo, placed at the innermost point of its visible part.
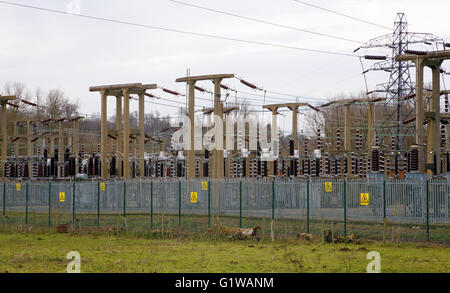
(49, 203)
(124, 199)
(384, 212)
(209, 204)
(307, 205)
(272, 233)
(73, 204)
(273, 200)
(4, 198)
(179, 203)
(98, 204)
(428, 210)
(384, 198)
(26, 204)
(345, 207)
(151, 204)
(240, 204)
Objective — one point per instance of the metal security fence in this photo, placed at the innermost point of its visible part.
(419, 208)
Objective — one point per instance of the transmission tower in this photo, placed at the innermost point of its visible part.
(399, 85)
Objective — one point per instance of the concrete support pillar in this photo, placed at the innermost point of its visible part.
(370, 129)
(420, 113)
(295, 126)
(222, 143)
(141, 135)
(119, 147)
(126, 133)
(51, 152)
(433, 138)
(247, 167)
(347, 139)
(447, 133)
(29, 149)
(191, 138)
(104, 135)
(60, 150)
(16, 134)
(109, 143)
(218, 151)
(75, 143)
(295, 131)
(4, 126)
(134, 146)
(273, 140)
(227, 135)
(211, 158)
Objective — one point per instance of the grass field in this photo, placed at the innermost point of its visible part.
(45, 252)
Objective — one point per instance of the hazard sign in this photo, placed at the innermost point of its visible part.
(204, 185)
(193, 197)
(102, 186)
(18, 186)
(328, 187)
(364, 199)
(62, 196)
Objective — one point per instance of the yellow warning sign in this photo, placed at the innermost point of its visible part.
(193, 197)
(204, 185)
(328, 187)
(102, 186)
(62, 196)
(18, 186)
(364, 199)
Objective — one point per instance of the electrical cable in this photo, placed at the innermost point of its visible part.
(265, 22)
(344, 15)
(175, 30)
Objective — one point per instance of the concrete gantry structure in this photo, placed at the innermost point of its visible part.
(273, 137)
(60, 169)
(294, 108)
(444, 120)
(347, 123)
(122, 91)
(432, 60)
(75, 138)
(217, 154)
(65, 138)
(29, 136)
(229, 133)
(4, 100)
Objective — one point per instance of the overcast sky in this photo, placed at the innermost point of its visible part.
(48, 50)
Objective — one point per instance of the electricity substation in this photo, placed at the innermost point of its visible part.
(401, 130)
(52, 149)
(233, 150)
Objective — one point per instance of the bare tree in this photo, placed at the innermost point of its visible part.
(57, 105)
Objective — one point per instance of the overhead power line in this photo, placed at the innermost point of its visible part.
(176, 30)
(344, 15)
(282, 94)
(265, 22)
